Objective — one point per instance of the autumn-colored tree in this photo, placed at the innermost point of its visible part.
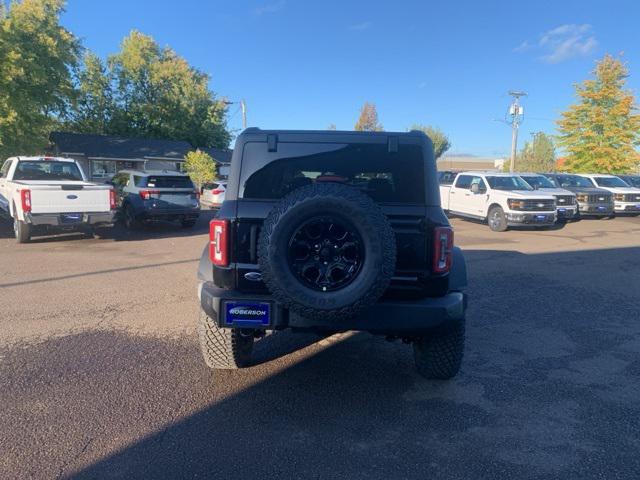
(439, 139)
(200, 167)
(368, 121)
(37, 56)
(600, 132)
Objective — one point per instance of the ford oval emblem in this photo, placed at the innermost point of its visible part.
(72, 197)
(540, 205)
(253, 276)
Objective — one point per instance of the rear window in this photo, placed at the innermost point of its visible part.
(446, 178)
(46, 170)
(397, 177)
(164, 181)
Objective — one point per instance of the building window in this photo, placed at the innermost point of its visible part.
(103, 168)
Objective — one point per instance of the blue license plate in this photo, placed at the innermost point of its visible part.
(562, 210)
(247, 314)
(602, 208)
(71, 218)
(541, 218)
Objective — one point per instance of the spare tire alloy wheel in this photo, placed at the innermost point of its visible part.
(327, 251)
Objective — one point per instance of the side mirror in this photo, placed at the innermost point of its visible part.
(475, 188)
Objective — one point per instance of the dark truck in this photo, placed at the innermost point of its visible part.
(328, 231)
(592, 201)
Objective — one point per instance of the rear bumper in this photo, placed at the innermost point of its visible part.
(169, 214)
(388, 317)
(58, 220)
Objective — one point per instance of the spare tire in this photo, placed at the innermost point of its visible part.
(327, 251)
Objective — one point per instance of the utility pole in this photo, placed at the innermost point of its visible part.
(243, 105)
(516, 112)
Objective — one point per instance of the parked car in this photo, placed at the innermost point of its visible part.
(626, 199)
(566, 204)
(49, 194)
(592, 201)
(633, 180)
(154, 195)
(501, 199)
(334, 231)
(213, 194)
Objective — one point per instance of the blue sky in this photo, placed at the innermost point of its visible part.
(307, 64)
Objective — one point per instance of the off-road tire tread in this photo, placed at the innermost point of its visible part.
(223, 348)
(439, 356)
(369, 208)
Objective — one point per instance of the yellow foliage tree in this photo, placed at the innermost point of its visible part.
(601, 131)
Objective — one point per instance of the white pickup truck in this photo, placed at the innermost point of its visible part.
(626, 198)
(52, 193)
(501, 199)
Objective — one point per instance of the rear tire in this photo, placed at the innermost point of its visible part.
(130, 220)
(497, 220)
(223, 348)
(22, 231)
(439, 356)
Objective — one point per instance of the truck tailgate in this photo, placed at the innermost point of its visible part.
(70, 198)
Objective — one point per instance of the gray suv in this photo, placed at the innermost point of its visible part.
(148, 195)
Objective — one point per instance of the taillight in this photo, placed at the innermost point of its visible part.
(112, 199)
(146, 194)
(219, 242)
(442, 249)
(197, 194)
(217, 191)
(25, 197)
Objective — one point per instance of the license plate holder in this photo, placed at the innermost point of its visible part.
(540, 218)
(70, 218)
(246, 314)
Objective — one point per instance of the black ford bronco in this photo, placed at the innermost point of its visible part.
(328, 231)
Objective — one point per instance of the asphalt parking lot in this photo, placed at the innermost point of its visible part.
(101, 376)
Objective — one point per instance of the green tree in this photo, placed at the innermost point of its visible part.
(37, 56)
(439, 139)
(368, 120)
(600, 132)
(94, 106)
(159, 95)
(200, 167)
(538, 155)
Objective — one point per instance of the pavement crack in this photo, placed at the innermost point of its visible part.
(65, 464)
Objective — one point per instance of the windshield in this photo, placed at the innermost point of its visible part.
(47, 170)
(538, 181)
(165, 181)
(610, 182)
(508, 183)
(573, 181)
(632, 180)
(446, 178)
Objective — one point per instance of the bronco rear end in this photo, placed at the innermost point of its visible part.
(327, 232)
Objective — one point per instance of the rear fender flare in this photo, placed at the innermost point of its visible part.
(458, 273)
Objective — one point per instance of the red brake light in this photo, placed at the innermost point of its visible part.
(112, 199)
(25, 197)
(442, 249)
(219, 242)
(217, 191)
(146, 194)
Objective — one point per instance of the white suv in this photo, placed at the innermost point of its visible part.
(501, 199)
(626, 198)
